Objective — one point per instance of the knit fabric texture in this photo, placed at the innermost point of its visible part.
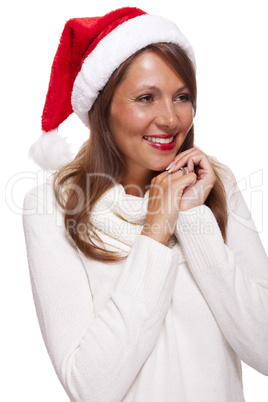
(168, 323)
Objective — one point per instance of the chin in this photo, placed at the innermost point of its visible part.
(160, 167)
(162, 164)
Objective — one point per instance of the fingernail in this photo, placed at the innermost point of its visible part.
(171, 169)
(170, 165)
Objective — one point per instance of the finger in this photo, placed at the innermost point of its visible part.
(181, 154)
(163, 175)
(195, 158)
(192, 154)
(183, 179)
(190, 165)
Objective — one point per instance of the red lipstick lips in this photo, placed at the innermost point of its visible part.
(161, 147)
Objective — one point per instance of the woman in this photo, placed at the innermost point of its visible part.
(148, 284)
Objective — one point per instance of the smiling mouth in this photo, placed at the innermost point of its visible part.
(159, 140)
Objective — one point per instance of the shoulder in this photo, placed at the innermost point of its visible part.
(40, 207)
(41, 196)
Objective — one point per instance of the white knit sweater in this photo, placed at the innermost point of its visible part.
(169, 323)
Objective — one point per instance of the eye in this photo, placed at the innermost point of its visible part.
(145, 98)
(183, 98)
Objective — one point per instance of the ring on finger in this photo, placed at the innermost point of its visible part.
(184, 170)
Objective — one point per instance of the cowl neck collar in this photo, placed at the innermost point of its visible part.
(118, 218)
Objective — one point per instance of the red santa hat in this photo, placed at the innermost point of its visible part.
(90, 50)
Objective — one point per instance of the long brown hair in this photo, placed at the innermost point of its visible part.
(99, 164)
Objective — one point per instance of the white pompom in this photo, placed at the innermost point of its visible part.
(51, 151)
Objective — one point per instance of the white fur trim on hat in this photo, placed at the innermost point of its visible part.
(50, 151)
(114, 49)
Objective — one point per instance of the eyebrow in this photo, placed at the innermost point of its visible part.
(156, 89)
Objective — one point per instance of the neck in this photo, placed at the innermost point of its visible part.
(136, 184)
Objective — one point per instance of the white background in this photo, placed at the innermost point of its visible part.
(230, 42)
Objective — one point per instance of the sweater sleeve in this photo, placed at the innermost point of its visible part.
(96, 357)
(233, 277)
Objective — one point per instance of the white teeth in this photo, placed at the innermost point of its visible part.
(159, 140)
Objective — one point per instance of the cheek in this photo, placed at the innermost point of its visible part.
(190, 123)
(128, 119)
(133, 116)
(187, 119)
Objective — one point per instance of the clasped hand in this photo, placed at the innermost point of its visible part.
(171, 192)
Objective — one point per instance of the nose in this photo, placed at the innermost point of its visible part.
(166, 115)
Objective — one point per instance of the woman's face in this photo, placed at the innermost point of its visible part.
(150, 114)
